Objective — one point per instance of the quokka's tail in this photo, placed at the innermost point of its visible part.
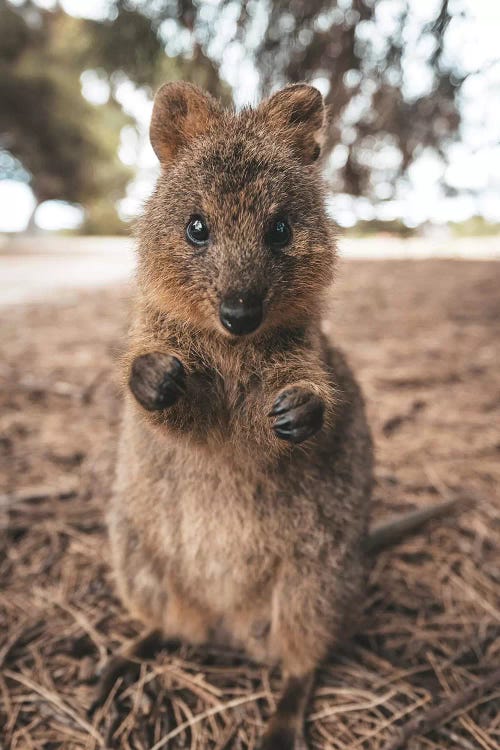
(396, 529)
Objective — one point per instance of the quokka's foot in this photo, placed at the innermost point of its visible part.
(127, 665)
(157, 380)
(285, 730)
(283, 739)
(117, 667)
(297, 414)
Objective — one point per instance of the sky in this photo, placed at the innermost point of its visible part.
(474, 162)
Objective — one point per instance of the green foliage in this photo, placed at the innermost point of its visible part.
(68, 146)
(129, 42)
(476, 226)
(379, 226)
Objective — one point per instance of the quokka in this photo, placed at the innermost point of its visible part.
(242, 500)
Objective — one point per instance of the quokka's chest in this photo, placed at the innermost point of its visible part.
(225, 394)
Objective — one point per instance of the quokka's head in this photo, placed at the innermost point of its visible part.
(236, 238)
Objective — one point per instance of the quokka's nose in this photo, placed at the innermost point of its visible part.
(241, 313)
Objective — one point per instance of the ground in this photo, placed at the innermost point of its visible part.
(424, 339)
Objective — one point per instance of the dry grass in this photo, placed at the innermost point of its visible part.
(424, 337)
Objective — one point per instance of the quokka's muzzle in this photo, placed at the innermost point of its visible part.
(241, 313)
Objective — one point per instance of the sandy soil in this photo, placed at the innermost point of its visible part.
(424, 337)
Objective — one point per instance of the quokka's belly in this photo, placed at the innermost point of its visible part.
(228, 565)
(198, 597)
(198, 545)
(201, 565)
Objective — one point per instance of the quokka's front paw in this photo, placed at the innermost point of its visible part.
(157, 380)
(297, 414)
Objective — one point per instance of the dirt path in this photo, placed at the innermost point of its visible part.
(40, 268)
(424, 337)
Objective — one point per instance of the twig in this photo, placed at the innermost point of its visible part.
(205, 714)
(347, 707)
(54, 699)
(440, 714)
(33, 494)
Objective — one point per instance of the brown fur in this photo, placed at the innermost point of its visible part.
(219, 529)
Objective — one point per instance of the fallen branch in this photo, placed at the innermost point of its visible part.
(442, 713)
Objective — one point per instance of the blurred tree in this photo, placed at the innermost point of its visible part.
(365, 53)
(134, 40)
(390, 84)
(68, 146)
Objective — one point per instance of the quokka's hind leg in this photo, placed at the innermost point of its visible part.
(299, 659)
(128, 664)
(285, 730)
(303, 630)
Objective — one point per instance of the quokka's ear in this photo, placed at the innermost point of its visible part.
(297, 113)
(181, 112)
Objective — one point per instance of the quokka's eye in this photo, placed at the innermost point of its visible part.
(279, 234)
(197, 231)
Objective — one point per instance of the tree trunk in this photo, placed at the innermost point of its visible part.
(31, 226)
